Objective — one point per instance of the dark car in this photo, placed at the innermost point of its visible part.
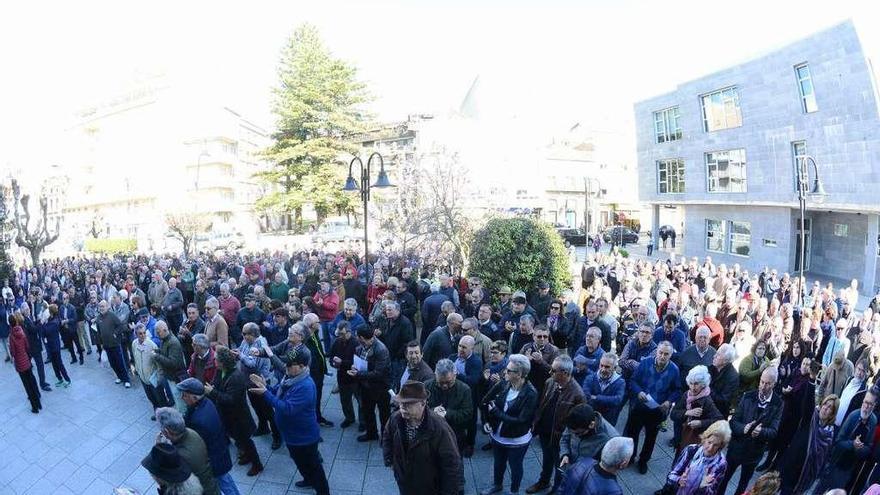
(574, 237)
(667, 231)
(619, 233)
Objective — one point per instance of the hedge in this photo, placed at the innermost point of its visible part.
(111, 246)
(519, 252)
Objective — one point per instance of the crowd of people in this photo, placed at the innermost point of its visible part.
(751, 375)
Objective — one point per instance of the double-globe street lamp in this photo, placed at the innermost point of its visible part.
(351, 185)
(803, 181)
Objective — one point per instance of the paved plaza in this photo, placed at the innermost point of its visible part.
(92, 436)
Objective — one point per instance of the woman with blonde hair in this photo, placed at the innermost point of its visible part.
(805, 456)
(700, 468)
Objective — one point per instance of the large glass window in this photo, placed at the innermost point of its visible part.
(740, 238)
(667, 125)
(670, 176)
(726, 171)
(805, 86)
(721, 110)
(715, 235)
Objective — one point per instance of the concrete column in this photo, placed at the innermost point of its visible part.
(868, 278)
(655, 225)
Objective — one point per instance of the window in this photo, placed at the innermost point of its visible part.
(798, 151)
(721, 110)
(726, 171)
(805, 86)
(740, 238)
(666, 125)
(715, 235)
(670, 176)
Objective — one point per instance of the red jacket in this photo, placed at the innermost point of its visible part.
(328, 305)
(716, 331)
(18, 347)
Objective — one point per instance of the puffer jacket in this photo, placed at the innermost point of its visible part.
(18, 348)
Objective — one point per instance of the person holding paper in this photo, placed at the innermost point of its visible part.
(374, 382)
(655, 381)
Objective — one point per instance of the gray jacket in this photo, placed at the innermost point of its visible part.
(577, 447)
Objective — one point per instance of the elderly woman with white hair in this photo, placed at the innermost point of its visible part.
(725, 378)
(696, 410)
(699, 468)
(511, 404)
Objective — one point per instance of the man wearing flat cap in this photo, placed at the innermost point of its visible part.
(420, 446)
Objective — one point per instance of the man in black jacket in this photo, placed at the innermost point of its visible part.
(725, 379)
(395, 332)
(374, 380)
(342, 357)
(754, 424)
(318, 361)
(110, 330)
(407, 302)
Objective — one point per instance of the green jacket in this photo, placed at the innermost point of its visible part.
(749, 374)
(457, 401)
(193, 450)
(278, 291)
(170, 357)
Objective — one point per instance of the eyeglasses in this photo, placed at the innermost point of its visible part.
(494, 351)
(509, 371)
(557, 308)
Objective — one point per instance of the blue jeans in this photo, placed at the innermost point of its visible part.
(227, 485)
(508, 455)
(328, 334)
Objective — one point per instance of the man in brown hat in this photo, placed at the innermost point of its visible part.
(420, 447)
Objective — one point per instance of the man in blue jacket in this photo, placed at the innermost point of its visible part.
(202, 416)
(605, 390)
(653, 388)
(294, 402)
(350, 314)
(672, 331)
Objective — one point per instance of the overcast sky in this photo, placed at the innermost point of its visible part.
(553, 61)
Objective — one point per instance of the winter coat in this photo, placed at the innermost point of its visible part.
(170, 358)
(217, 330)
(661, 386)
(110, 329)
(609, 401)
(567, 397)
(34, 334)
(517, 420)
(725, 383)
(377, 379)
(439, 345)
(329, 306)
(430, 463)
(205, 420)
(18, 349)
(395, 335)
(203, 368)
(833, 380)
(743, 446)
(586, 477)
(457, 402)
(193, 450)
(422, 373)
(230, 396)
(354, 323)
(294, 401)
(578, 447)
(749, 374)
(710, 415)
(51, 331)
(540, 369)
(143, 359)
(473, 370)
(431, 311)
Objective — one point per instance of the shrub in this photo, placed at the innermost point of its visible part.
(519, 252)
(111, 246)
(623, 252)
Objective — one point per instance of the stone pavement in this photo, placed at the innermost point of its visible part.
(91, 437)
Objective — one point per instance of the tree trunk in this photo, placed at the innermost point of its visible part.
(35, 254)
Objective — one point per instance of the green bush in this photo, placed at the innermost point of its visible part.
(623, 252)
(519, 252)
(111, 246)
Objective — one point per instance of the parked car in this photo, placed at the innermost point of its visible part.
(619, 233)
(221, 240)
(574, 237)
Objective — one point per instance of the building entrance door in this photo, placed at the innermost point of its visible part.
(807, 243)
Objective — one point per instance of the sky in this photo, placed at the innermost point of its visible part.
(553, 62)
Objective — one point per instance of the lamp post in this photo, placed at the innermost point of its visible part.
(351, 185)
(803, 177)
(588, 191)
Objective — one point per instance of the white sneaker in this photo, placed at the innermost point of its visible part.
(117, 381)
(127, 385)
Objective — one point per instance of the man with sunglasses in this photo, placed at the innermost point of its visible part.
(541, 353)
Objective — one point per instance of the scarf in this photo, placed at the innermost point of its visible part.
(289, 381)
(603, 384)
(818, 449)
(691, 397)
(552, 321)
(697, 469)
(496, 368)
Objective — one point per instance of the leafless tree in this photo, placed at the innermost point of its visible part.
(34, 237)
(186, 226)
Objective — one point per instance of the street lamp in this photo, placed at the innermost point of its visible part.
(588, 191)
(351, 185)
(803, 177)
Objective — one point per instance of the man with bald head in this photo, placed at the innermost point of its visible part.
(469, 369)
(443, 340)
(754, 424)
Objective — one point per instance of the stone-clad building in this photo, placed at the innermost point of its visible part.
(724, 148)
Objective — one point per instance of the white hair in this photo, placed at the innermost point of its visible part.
(522, 363)
(617, 451)
(727, 352)
(699, 374)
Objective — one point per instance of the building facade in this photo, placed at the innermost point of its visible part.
(726, 148)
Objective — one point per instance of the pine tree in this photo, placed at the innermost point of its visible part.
(318, 105)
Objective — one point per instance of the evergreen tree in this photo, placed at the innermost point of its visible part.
(318, 105)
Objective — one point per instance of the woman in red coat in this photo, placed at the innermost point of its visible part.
(18, 348)
(374, 292)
